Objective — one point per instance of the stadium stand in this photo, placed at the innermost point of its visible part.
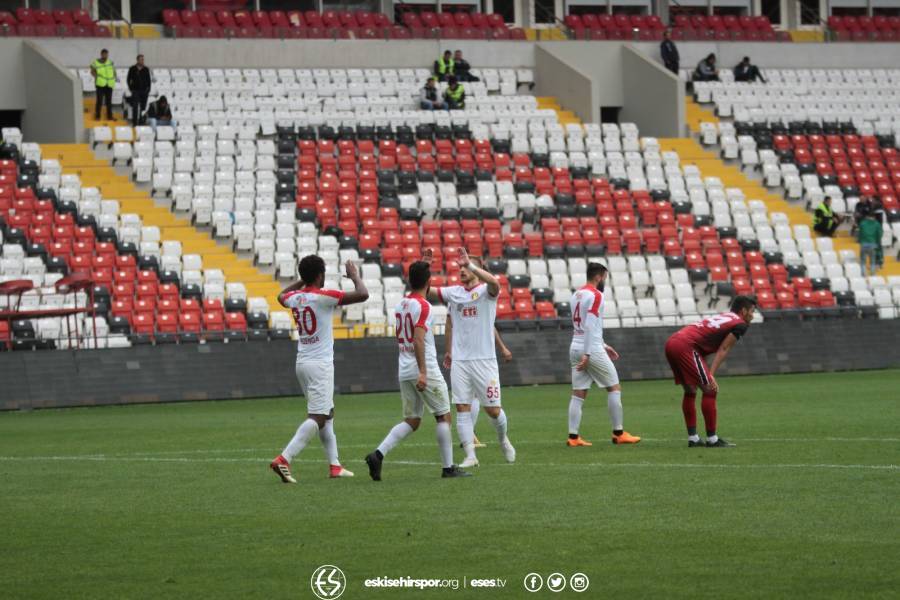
(28, 22)
(878, 28)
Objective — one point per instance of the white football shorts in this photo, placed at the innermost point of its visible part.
(475, 380)
(600, 370)
(317, 382)
(435, 396)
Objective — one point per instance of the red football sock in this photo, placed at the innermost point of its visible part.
(708, 406)
(689, 408)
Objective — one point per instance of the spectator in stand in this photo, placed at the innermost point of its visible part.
(868, 205)
(825, 220)
(139, 85)
(104, 72)
(462, 68)
(706, 69)
(455, 95)
(744, 71)
(869, 238)
(669, 52)
(444, 67)
(428, 97)
(159, 114)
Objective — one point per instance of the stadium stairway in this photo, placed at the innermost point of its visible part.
(696, 114)
(94, 172)
(565, 117)
(691, 152)
(90, 122)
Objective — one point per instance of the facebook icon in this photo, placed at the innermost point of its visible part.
(533, 582)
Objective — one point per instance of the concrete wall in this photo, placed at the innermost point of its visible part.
(260, 369)
(654, 97)
(12, 91)
(573, 89)
(53, 94)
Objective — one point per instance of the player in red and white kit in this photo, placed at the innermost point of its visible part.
(472, 307)
(313, 309)
(686, 351)
(591, 359)
(421, 382)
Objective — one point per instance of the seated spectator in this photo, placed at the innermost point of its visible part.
(825, 220)
(159, 114)
(455, 95)
(428, 97)
(744, 71)
(869, 238)
(706, 69)
(444, 67)
(462, 68)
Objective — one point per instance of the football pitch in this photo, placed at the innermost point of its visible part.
(177, 501)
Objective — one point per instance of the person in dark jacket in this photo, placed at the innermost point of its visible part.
(744, 71)
(825, 220)
(159, 114)
(139, 83)
(669, 52)
(428, 97)
(462, 67)
(706, 69)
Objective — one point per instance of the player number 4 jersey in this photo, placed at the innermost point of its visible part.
(587, 320)
(473, 312)
(411, 313)
(706, 336)
(312, 309)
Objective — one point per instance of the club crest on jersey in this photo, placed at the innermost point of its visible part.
(474, 295)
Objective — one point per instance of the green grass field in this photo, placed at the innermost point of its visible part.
(176, 501)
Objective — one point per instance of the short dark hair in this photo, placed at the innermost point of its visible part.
(594, 269)
(419, 274)
(711, 56)
(746, 59)
(310, 268)
(452, 80)
(447, 52)
(739, 303)
(104, 50)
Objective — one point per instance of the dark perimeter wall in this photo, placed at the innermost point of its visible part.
(260, 369)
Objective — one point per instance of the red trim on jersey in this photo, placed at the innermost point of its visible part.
(469, 289)
(338, 294)
(598, 298)
(424, 310)
(440, 294)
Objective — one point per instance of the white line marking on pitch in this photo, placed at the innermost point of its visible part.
(112, 458)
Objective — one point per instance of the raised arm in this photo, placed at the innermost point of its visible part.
(504, 351)
(432, 294)
(360, 293)
(493, 284)
(419, 347)
(291, 288)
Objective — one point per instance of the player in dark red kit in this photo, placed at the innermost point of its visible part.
(686, 351)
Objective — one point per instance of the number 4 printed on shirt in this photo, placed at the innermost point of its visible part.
(717, 321)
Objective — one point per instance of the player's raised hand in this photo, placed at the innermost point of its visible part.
(613, 355)
(463, 257)
(583, 363)
(352, 270)
(448, 360)
(421, 382)
(428, 255)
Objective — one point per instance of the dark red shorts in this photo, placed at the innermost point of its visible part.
(688, 367)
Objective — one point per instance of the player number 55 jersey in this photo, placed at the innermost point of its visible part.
(411, 313)
(313, 309)
(587, 320)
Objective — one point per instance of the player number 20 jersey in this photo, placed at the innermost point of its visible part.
(312, 309)
(587, 320)
(411, 313)
(473, 312)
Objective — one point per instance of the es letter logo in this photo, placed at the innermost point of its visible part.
(328, 582)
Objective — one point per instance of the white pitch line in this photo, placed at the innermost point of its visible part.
(520, 442)
(262, 461)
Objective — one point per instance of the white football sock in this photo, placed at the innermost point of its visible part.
(466, 433)
(500, 425)
(394, 437)
(575, 414)
(304, 433)
(711, 439)
(476, 410)
(614, 403)
(694, 438)
(329, 442)
(445, 443)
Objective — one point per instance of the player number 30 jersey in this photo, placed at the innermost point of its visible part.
(312, 309)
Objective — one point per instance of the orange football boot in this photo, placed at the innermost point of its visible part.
(579, 441)
(625, 438)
